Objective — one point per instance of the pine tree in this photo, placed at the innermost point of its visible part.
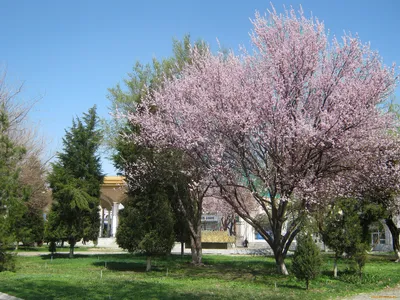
(146, 224)
(11, 199)
(307, 260)
(75, 181)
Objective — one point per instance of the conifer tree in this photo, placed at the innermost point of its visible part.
(306, 259)
(11, 199)
(146, 223)
(342, 231)
(75, 181)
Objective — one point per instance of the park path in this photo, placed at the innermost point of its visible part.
(8, 297)
(387, 293)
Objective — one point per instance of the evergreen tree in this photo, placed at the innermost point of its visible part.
(342, 231)
(75, 181)
(11, 199)
(146, 224)
(307, 260)
(29, 229)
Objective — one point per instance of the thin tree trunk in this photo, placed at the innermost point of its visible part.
(71, 247)
(335, 266)
(395, 231)
(195, 245)
(307, 283)
(182, 249)
(148, 264)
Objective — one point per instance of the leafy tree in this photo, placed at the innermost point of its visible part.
(11, 199)
(306, 263)
(289, 122)
(146, 224)
(75, 181)
(171, 169)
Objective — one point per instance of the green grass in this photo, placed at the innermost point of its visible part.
(223, 277)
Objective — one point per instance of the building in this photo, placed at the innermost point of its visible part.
(113, 196)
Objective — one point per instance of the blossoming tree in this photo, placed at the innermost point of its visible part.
(282, 122)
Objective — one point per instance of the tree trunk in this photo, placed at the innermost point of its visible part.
(280, 262)
(395, 231)
(148, 264)
(335, 267)
(195, 245)
(72, 243)
(182, 249)
(307, 283)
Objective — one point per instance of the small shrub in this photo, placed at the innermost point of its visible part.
(7, 261)
(307, 260)
(359, 256)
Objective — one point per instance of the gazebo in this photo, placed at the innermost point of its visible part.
(112, 195)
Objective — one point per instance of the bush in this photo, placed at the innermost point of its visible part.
(7, 260)
(359, 255)
(307, 260)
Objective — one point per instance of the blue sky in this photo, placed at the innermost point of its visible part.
(68, 53)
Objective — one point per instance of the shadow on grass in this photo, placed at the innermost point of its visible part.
(64, 255)
(89, 255)
(125, 266)
(55, 289)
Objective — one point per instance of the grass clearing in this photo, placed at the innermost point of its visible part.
(123, 276)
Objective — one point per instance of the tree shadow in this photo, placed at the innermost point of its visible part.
(54, 289)
(124, 266)
(63, 255)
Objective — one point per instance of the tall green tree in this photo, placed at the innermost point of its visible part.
(146, 223)
(172, 170)
(75, 181)
(11, 199)
(342, 230)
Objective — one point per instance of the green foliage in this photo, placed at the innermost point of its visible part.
(360, 257)
(139, 164)
(30, 227)
(75, 181)
(146, 223)
(369, 213)
(344, 229)
(341, 229)
(307, 261)
(11, 197)
(7, 261)
(52, 247)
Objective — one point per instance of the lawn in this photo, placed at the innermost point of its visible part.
(123, 276)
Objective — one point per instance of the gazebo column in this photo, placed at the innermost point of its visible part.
(114, 219)
(101, 222)
(108, 223)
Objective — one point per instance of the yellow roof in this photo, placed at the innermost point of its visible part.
(114, 180)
